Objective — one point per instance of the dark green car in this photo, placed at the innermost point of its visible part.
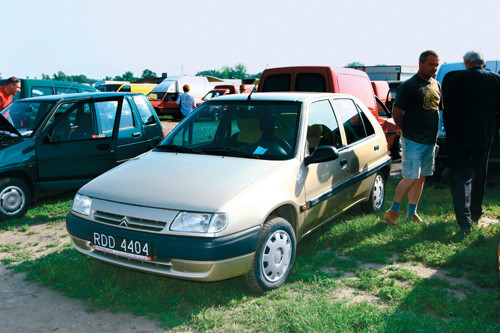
(53, 144)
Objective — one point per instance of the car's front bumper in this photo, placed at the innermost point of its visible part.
(190, 258)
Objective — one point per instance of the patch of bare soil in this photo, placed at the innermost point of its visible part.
(459, 286)
(28, 307)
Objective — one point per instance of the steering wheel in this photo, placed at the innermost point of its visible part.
(275, 144)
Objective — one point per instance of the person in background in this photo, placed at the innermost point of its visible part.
(12, 87)
(416, 113)
(471, 118)
(187, 103)
(243, 89)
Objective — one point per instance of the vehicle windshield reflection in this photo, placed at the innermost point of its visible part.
(248, 129)
(26, 116)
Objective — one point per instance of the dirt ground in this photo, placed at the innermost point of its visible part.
(28, 307)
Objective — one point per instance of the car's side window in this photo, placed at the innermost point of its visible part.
(145, 109)
(60, 91)
(77, 124)
(106, 114)
(40, 91)
(354, 120)
(127, 117)
(323, 127)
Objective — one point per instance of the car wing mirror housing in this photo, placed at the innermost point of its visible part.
(322, 154)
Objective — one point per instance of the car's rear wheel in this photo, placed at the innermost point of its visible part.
(377, 196)
(14, 198)
(274, 257)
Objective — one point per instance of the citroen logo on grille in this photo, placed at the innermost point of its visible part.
(124, 222)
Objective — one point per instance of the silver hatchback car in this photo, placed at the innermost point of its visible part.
(232, 195)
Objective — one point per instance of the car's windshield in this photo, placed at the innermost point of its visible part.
(26, 116)
(253, 129)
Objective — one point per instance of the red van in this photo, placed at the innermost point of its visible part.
(333, 80)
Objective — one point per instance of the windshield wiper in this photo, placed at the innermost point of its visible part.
(229, 152)
(179, 149)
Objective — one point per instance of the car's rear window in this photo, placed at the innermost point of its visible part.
(277, 82)
(314, 82)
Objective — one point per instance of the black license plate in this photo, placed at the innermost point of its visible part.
(124, 247)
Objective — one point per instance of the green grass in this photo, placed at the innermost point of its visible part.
(357, 253)
(46, 210)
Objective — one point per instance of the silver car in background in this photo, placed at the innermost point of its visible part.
(232, 196)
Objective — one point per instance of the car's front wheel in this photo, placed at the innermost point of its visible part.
(15, 198)
(274, 257)
(377, 195)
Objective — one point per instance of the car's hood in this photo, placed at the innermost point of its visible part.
(178, 181)
(6, 126)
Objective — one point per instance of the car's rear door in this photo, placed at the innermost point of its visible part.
(78, 143)
(139, 131)
(363, 148)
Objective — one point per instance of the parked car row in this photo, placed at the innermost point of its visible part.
(250, 175)
(58, 143)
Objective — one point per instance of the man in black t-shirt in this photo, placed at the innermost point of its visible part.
(416, 113)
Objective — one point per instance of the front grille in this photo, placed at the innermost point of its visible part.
(129, 222)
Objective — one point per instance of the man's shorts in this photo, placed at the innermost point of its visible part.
(418, 159)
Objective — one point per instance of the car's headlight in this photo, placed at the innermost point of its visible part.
(81, 204)
(199, 222)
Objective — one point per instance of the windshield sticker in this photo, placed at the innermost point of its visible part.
(260, 151)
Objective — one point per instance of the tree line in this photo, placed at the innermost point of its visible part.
(239, 71)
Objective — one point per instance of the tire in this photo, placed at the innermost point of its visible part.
(15, 198)
(377, 196)
(274, 257)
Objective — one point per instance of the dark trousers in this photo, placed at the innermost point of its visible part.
(468, 171)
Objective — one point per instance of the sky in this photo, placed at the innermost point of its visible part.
(100, 38)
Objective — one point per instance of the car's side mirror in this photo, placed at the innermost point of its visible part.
(322, 154)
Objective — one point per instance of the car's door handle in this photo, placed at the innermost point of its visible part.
(103, 146)
(136, 134)
(376, 148)
(343, 162)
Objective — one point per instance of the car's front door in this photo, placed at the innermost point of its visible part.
(77, 144)
(325, 185)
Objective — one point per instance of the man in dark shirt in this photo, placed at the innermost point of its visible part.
(416, 113)
(472, 106)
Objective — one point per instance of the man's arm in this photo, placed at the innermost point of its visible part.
(397, 115)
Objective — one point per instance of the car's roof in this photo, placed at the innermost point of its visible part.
(85, 95)
(278, 96)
